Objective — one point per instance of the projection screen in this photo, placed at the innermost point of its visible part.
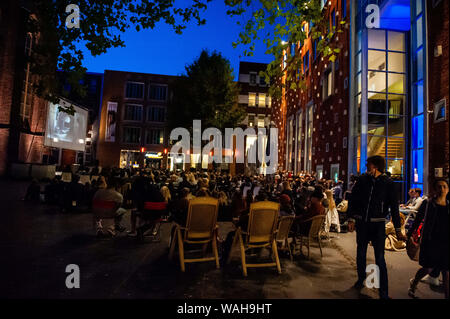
(64, 130)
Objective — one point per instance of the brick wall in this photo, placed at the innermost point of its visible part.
(15, 143)
(438, 85)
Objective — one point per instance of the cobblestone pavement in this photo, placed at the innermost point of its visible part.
(38, 242)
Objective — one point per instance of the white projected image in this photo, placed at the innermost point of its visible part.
(64, 130)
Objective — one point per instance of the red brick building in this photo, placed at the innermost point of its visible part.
(313, 122)
(133, 129)
(22, 114)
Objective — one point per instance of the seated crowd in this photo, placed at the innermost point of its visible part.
(302, 196)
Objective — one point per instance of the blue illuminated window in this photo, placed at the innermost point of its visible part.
(417, 166)
(417, 132)
(418, 105)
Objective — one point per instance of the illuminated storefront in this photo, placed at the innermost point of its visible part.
(388, 89)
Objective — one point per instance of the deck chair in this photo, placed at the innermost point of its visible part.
(201, 229)
(261, 233)
(284, 227)
(317, 223)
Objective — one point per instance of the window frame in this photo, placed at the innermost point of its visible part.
(134, 98)
(131, 127)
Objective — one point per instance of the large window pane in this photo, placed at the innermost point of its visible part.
(418, 7)
(419, 65)
(377, 39)
(396, 62)
(396, 126)
(417, 132)
(377, 103)
(396, 104)
(396, 41)
(358, 82)
(419, 33)
(377, 60)
(376, 81)
(417, 166)
(418, 101)
(376, 145)
(395, 167)
(358, 62)
(376, 124)
(396, 83)
(396, 147)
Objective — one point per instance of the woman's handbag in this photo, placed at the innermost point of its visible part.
(413, 248)
(413, 243)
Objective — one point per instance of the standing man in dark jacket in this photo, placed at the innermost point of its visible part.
(373, 195)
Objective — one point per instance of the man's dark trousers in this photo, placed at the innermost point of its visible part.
(374, 232)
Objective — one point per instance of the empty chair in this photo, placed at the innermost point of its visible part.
(260, 233)
(201, 229)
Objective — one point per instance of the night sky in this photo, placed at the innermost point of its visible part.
(161, 51)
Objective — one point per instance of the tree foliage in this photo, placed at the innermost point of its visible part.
(101, 25)
(206, 92)
(280, 23)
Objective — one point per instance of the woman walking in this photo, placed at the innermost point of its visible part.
(434, 240)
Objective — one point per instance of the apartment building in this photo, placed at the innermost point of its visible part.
(133, 128)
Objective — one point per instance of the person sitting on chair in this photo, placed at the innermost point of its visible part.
(286, 206)
(111, 194)
(315, 208)
(415, 199)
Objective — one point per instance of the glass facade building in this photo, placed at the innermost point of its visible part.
(388, 89)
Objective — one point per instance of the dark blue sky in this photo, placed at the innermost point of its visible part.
(161, 51)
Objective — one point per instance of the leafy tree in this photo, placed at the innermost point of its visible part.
(101, 23)
(279, 23)
(206, 92)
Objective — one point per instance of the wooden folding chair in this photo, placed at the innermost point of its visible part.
(317, 223)
(284, 227)
(201, 229)
(261, 233)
